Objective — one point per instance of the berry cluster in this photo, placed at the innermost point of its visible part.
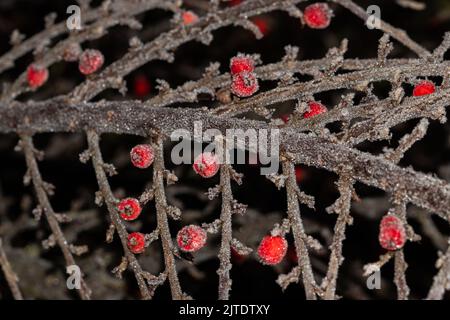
(89, 62)
(129, 209)
(244, 82)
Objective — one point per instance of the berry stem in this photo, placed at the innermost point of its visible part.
(298, 231)
(225, 245)
(162, 221)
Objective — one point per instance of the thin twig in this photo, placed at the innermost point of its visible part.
(10, 275)
(225, 245)
(298, 231)
(163, 224)
(41, 193)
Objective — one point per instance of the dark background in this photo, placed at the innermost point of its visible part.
(42, 271)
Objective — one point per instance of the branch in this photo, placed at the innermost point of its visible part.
(441, 281)
(133, 118)
(163, 224)
(227, 235)
(11, 278)
(44, 202)
(298, 231)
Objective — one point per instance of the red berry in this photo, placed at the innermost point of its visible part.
(142, 156)
(129, 209)
(244, 84)
(206, 164)
(189, 18)
(136, 242)
(423, 88)
(90, 61)
(318, 15)
(315, 108)
(298, 174)
(36, 76)
(72, 52)
(233, 3)
(272, 249)
(392, 233)
(284, 118)
(141, 86)
(191, 238)
(262, 25)
(241, 63)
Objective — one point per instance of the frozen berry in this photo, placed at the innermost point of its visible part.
(142, 156)
(315, 108)
(206, 164)
(141, 86)
(136, 242)
(392, 234)
(423, 88)
(90, 61)
(129, 209)
(72, 52)
(36, 76)
(318, 15)
(241, 63)
(191, 238)
(189, 18)
(244, 84)
(272, 249)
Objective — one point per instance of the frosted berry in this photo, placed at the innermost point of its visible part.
(142, 156)
(244, 84)
(129, 209)
(272, 249)
(189, 18)
(315, 108)
(90, 61)
(392, 233)
(206, 164)
(241, 63)
(136, 242)
(318, 15)
(72, 52)
(423, 88)
(141, 86)
(36, 76)
(191, 238)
